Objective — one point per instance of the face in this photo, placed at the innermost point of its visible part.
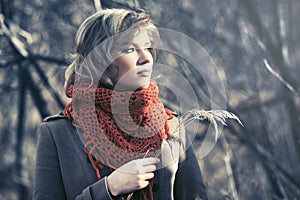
(132, 68)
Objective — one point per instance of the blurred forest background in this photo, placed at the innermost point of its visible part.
(255, 43)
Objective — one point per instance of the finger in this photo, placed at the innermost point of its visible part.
(142, 184)
(148, 168)
(149, 161)
(148, 176)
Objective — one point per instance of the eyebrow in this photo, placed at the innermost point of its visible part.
(124, 44)
(145, 44)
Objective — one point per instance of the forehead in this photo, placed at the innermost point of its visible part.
(141, 37)
(136, 37)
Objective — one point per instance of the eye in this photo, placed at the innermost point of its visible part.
(128, 50)
(149, 49)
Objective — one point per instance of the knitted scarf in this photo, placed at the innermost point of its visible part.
(117, 127)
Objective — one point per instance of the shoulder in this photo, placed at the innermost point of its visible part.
(57, 120)
(56, 125)
(56, 129)
(54, 117)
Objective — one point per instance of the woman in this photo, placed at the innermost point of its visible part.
(115, 139)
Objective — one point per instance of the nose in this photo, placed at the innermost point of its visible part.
(145, 56)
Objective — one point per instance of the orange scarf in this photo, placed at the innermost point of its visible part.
(117, 127)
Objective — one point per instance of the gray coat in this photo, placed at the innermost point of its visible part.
(63, 170)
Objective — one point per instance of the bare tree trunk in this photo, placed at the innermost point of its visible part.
(20, 134)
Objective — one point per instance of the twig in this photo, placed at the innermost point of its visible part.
(12, 62)
(47, 84)
(280, 78)
(39, 100)
(50, 59)
(12, 35)
(265, 157)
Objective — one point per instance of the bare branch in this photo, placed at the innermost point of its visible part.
(48, 59)
(47, 84)
(18, 45)
(39, 100)
(264, 155)
(280, 78)
(20, 131)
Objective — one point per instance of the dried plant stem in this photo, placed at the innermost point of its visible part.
(227, 158)
(212, 116)
(97, 4)
(215, 116)
(230, 177)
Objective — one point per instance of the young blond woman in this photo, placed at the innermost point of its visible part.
(115, 139)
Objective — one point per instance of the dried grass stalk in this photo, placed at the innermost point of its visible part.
(213, 116)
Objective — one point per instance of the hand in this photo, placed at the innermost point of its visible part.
(132, 176)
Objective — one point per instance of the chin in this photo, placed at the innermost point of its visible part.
(133, 85)
(144, 86)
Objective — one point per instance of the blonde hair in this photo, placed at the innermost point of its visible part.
(99, 27)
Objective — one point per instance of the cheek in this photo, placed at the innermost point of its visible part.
(125, 64)
(119, 68)
(126, 75)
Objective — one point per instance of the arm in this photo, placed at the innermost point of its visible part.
(48, 181)
(48, 175)
(97, 191)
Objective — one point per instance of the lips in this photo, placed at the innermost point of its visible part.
(144, 73)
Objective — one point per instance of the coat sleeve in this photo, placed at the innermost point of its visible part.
(97, 191)
(48, 183)
(188, 179)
